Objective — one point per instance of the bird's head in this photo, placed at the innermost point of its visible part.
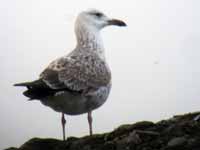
(96, 20)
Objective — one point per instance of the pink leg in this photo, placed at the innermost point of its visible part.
(63, 121)
(90, 121)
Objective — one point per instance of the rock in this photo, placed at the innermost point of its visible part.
(197, 118)
(182, 132)
(177, 141)
(41, 144)
(12, 148)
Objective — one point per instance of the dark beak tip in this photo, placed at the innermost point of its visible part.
(117, 22)
(123, 24)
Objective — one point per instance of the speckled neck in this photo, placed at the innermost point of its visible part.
(90, 39)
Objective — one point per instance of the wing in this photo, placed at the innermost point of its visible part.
(77, 73)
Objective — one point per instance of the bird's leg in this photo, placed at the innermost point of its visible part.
(90, 121)
(63, 121)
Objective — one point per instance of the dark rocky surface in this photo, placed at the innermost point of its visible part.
(181, 132)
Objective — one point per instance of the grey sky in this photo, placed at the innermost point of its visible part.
(154, 63)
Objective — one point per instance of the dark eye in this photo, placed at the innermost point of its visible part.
(98, 14)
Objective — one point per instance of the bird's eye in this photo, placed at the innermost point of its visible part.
(98, 14)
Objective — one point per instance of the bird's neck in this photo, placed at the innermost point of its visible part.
(90, 39)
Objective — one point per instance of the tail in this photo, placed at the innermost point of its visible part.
(36, 89)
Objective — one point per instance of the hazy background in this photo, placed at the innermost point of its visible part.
(154, 62)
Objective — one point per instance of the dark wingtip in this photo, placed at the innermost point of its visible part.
(16, 84)
(21, 84)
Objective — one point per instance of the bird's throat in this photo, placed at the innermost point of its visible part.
(90, 40)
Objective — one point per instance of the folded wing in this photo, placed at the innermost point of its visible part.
(77, 73)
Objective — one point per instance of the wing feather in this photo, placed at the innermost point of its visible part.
(77, 73)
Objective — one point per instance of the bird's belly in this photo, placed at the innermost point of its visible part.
(76, 103)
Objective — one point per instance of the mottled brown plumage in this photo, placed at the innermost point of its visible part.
(81, 70)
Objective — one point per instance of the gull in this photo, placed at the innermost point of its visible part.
(79, 82)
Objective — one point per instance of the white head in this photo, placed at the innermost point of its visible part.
(96, 20)
(87, 27)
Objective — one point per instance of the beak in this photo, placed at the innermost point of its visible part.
(116, 22)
